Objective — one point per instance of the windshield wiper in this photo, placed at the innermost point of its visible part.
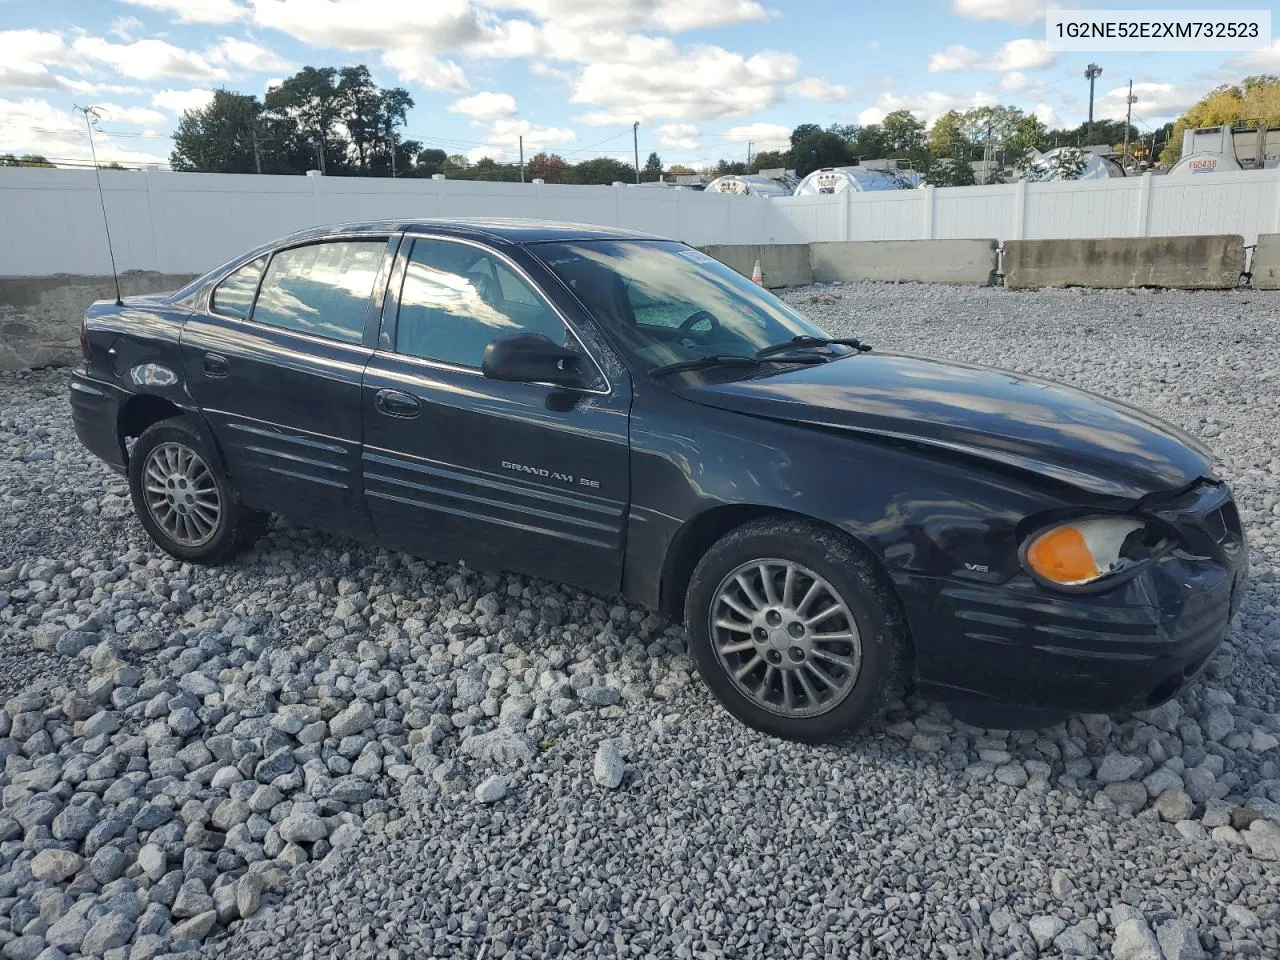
(803, 341)
(700, 363)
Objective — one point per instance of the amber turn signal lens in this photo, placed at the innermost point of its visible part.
(1063, 556)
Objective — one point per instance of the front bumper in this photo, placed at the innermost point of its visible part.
(1020, 644)
(95, 410)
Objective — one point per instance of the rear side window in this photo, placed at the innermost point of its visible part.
(233, 297)
(321, 289)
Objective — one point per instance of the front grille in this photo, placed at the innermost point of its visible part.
(1208, 521)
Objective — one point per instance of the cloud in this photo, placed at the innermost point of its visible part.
(672, 16)
(503, 139)
(814, 88)
(1022, 54)
(1154, 100)
(1015, 11)
(432, 27)
(123, 27)
(179, 101)
(678, 136)
(1014, 82)
(705, 84)
(148, 59)
(432, 72)
(113, 114)
(764, 136)
(926, 106)
(35, 126)
(249, 57)
(485, 106)
(25, 57)
(955, 57)
(195, 11)
(1267, 60)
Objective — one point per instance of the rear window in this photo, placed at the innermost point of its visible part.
(321, 288)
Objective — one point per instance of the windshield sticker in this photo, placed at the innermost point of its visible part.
(697, 256)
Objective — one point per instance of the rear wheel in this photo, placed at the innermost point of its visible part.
(793, 629)
(182, 496)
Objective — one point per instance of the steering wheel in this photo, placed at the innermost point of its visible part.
(693, 319)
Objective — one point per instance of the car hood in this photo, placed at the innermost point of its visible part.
(1046, 428)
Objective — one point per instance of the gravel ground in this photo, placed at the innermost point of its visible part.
(326, 749)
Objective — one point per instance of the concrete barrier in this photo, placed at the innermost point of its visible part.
(40, 316)
(921, 261)
(783, 264)
(1266, 262)
(1210, 262)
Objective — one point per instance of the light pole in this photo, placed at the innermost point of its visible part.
(635, 142)
(1091, 73)
(1128, 118)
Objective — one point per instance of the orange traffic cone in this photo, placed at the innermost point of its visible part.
(757, 275)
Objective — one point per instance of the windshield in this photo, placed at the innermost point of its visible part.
(665, 303)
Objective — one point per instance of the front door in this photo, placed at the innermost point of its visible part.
(513, 476)
(276, 365)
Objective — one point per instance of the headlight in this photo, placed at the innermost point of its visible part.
(1086, 551)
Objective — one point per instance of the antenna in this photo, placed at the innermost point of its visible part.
(91, 116)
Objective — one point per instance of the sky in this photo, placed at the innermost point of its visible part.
(704, 78)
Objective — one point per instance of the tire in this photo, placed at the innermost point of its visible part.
(858, 645)
(182, 496)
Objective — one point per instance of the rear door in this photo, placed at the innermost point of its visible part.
(516, 476)
(276, 364)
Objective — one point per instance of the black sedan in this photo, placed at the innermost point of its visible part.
(625, 414)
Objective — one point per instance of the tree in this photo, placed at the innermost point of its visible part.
(652, 170)
(947, 138)
(904, 134)
(847, 131)
(428, 162)
(803, 132)
(602, 170)
(393, 111)
(26, 160)
(549, 167)
(1254, 101)
(218, 137)
(767, 160)
(728, 168)
(310, 103)
(819, 149)
(1027, 135)
(358, 104)
(949, 172)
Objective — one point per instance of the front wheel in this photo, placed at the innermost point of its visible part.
(794, 630)
(182, 497)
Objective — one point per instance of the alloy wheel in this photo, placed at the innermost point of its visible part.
(181, 494)
(785, 637)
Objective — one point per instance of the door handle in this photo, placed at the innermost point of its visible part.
(216, 366)
(396, 404)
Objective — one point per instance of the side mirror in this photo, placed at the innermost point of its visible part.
(531, 358)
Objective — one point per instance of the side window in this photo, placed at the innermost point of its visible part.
(454, 302)
(321, 289)
(233, 297)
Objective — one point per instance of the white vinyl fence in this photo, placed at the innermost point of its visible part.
(1247, 203)
(51, 222)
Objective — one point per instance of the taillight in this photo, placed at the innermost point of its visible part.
(84, 339)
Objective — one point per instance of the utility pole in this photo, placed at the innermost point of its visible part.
(750, 143)
(393, 154)
(257, 154)
(1128, 118)
(1091, 73)
(522, 159)
(320, 155)
(635, 141)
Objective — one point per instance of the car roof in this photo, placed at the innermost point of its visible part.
(513, 230)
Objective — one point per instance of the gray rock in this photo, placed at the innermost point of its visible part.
(357, 717)
(1135, 941)
(1174, 805)
(152, 861)
(1218, 722)
(107, 932)
(196, 928)
(23, 948)
(1263, 839)
(1117, 767)
(302, 828)
(1045, 928)
(492, 789)
(55, 865)
(249, 894)
(502, 747)
(1178, 941)
(192, 899)
(608, 767)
